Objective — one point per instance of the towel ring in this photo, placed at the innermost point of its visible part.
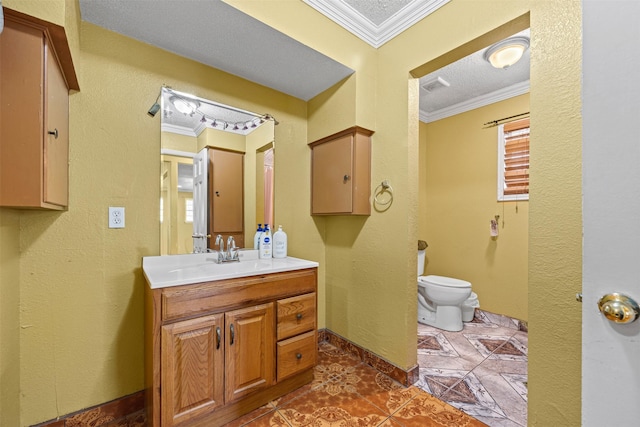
(384, 187)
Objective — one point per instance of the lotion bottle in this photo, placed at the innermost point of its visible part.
(279, 243)
(256, 237)
(265, 243)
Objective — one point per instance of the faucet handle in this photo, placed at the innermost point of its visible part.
(232, 249)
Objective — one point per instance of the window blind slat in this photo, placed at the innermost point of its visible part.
(516, 158)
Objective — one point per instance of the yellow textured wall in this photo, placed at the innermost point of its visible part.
(81, 287)
(370, 263)
(458, 192)
(9, 317)
(555, 215)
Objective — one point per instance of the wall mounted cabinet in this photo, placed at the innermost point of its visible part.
(341, 173)
(36, 74)
(217, 350)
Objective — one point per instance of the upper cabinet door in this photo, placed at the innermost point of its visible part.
(341, 173)
(36, 74)
(56, 134)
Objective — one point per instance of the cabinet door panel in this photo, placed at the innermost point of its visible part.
(331, 163)
(250, 350)
(21, 56)
(192, 358)
(227, 193)
(56, 147)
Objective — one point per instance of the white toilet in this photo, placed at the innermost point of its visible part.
(442, 300)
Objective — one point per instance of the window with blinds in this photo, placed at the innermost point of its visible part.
(513, 160)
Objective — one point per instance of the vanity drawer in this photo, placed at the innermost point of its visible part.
(296, 315)
(296, 354)
(199, 299)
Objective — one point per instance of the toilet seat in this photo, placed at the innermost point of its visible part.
(444, 281)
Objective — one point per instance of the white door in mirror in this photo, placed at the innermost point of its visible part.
(116, 217)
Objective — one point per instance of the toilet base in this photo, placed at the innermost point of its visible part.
(448, 318)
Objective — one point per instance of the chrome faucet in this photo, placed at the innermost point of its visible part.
(220, 243)
(232, 250)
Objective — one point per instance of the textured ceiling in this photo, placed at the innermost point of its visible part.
(216, 34)
(376, 21)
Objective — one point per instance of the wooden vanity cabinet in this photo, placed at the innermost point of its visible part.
(341, 173)
(36, 74)
(217, 350)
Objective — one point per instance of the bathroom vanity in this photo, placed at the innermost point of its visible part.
(224, 339)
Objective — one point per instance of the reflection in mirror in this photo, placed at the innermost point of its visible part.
(231, 191)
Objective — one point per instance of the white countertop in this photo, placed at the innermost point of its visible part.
(175, 270)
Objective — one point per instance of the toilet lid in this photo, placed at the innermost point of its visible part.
(445, 281)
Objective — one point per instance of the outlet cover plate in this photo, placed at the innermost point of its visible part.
(116, 217)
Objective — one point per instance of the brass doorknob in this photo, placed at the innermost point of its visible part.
(619, 308)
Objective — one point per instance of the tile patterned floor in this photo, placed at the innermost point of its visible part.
(481, 370)
(348, 393)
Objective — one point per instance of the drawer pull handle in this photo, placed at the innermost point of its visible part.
(232, 334)
(218, 337)
(298, 356)
(299, 316)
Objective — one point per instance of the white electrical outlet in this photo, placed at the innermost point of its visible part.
(116, 217)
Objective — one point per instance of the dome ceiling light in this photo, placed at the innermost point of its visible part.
(506, 52)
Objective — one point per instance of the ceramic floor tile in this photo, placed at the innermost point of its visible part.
(488, 378)
(471, 397)
(509, 392)
(390, 422)
(319, 408)
(502, 347)
(499, 422)
(386, 394)
(500, 320)
(271, 419)
(425, 410)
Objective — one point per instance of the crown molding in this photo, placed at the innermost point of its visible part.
(376, 35)
(477, 102)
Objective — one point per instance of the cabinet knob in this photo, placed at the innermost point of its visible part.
(54, 133)
(298, 356)
(346, 178)
(299, 316)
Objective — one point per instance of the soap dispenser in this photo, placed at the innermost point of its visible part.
(256, 237)
(265, 243)
(279, 243)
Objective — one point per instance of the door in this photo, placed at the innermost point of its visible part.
(192, 359)
(250, 350)
(227, 194)
(200, 197)
(331, 172)
(56, 133)
(611, 210)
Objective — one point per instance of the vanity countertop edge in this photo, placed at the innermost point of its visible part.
(175, 270)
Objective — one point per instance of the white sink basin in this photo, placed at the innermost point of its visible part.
(175, 270)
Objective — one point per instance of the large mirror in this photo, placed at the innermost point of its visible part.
(231, 152)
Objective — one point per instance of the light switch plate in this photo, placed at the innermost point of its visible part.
(116, 217)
